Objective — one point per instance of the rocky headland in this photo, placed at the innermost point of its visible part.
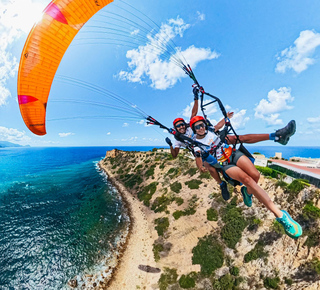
(183, 235)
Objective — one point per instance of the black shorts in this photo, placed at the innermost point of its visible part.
(233, 160)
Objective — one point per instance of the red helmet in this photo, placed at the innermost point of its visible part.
(195, 120)
(178, 120)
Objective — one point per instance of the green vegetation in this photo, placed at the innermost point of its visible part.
(288, 281)
(179, 200)
(160, 203)
(315, 265)
(150, 171)
(254, 223)
(256, 253)
(193, 183)
(168, 277)
(190, 210)
(234, 271)
(266, 171)
(192, 171)
(188, 281)
(146, 193)
(162, 224)
(282, 184)
(209, 254)
(138, 167)
(173, 172)
(176, 187)
(310, 211)
(130, 180)
(205, 175)
(157, 248)
(235, 223)
(278, 228)
(271, 282)
(297, 185)
(212, 214)
(313, 239)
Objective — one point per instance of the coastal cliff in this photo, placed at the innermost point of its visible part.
(185, 236)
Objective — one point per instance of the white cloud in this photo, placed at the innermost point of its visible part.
(239, 119)
(16, 19)
(62, 135)
(125, 125)
(314, 120)
(109, 133)
(141, 122)
(13, 135)
(201, 16)
(146, 63)
(277, 102)
(135, 32)
(299, 56)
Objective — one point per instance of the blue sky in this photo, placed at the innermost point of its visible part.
(261, 58)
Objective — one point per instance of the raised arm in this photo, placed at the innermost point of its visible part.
(196, 102)
(221, 123)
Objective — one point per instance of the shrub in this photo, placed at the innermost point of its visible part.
(177, 214)
(150, 171)
(173, 172)
(132, 180)
(179, 200)
(146, 193)
(296, 186)
(235, 223)
(282, 184)
(234, 271)
(187, 281)
(256, 253)
(138, 167)
(271, 282)
(310, 211)
(313, 239)
(176, 186)
(160, 203)
(266, 171)
(168, 277)
(212, 214)
(209, 254)
(205, 175)
(288, 281)
(157, 248)
(162, 224)
(193, 183)
(120, 171)
(192, 171)
(278, 228)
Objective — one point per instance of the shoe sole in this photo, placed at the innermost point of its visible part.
(244, 195)
(295, 223)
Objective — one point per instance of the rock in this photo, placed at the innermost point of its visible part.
(73, 283)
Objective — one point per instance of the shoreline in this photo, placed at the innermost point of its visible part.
(136, 250)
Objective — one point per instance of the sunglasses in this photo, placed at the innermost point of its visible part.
(198, 127)
(180, 125)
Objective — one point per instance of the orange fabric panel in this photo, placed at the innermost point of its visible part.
(42, 53)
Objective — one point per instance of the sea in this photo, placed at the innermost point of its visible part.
(59, 215)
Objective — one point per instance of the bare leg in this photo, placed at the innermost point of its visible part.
(214, 173)
(239, 174)
(248, 138)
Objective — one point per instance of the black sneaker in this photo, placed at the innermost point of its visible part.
(285, 133)
(224, 190)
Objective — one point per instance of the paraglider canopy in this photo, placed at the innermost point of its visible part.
(42, 54)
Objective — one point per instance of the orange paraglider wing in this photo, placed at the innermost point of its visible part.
(42, 54)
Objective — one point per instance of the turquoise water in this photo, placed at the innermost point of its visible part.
(58, 215)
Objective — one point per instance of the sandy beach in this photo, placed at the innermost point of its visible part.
(136, 267)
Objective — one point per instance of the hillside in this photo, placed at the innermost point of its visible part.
(195, 240)
(4, 144)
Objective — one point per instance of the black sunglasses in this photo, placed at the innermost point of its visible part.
(180, 125)
(198, 127)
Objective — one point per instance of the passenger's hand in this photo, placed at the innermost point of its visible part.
(230, 115)
(196, 93)
(203, 169)
(169, 141)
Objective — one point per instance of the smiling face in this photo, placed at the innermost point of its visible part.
(181, 127)
(200, 128)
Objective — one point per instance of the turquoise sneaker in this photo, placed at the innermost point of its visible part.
(292, 228)
(247, 198)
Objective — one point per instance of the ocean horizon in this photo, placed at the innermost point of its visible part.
(59, 215)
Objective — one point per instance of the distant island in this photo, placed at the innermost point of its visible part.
(4, 144)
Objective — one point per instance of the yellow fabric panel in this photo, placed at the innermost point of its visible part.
(42, 54)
